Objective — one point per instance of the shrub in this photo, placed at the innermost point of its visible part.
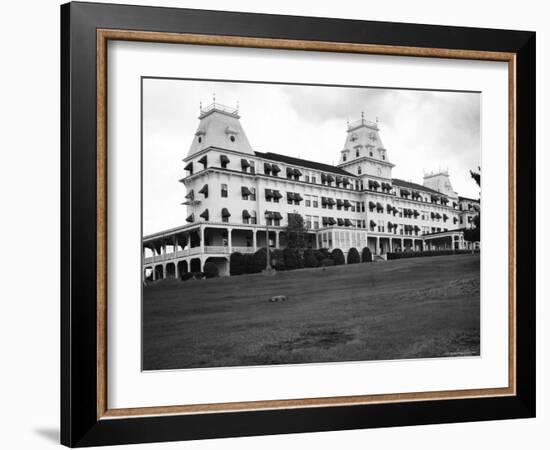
(366, 255)
(291, 258)
(211, 270)
(322, 253)
(259, 260)
(237, 264)
(198, 275)
(327, 262)
(249, 263)
(415, 254)
(278, 259)
(338, 257)
(310, 258)
(353, 256)
(300, 260)
(186, 276)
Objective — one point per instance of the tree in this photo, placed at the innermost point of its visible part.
(353, 256)
(296, 231)
(237, 264)
(211, 270)
(474, 234)
(310, 260)
(338, 257)
(366, 255)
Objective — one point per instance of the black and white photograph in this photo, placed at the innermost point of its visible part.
(300, 224)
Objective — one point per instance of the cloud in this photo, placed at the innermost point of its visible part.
(422, 131)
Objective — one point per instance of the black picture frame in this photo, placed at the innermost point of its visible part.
(80, 425)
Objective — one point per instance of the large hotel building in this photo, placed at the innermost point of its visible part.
(238, 198)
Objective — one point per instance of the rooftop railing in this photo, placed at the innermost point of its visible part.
(361, 122)
(219, 107)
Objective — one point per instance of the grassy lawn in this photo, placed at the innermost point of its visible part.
(408, 308)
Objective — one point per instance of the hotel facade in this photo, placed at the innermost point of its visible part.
(239, 200)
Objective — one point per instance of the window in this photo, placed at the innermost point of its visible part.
(224, 190)
(307, 178)
(253, 219)
(314, 179)
(315, 201)
(400, 212)
(357, 152)
(384, 157)
(370, 154)
(344, 158)
(252, 195)
(248, 166)
(225, 219)
(308, 221)
(316, 223)
(232, 138)
(308, 200)
(359, 171)
(381, 226)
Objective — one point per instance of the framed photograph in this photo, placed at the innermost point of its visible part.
(272, 224)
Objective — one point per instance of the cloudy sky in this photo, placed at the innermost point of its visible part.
(421, 130)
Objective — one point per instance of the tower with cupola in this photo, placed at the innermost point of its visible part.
(364, 154)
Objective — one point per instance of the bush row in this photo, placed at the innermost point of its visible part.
(415, 254)
(291, 259)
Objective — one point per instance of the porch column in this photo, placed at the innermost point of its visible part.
(202, 239)
(277, 239)
(176, 270)
(164, 274)
(154, 273)
(254, 242)
(402, 244)
(377, 245)
(229, 240)
(175, 245)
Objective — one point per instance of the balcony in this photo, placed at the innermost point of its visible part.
(208, 249)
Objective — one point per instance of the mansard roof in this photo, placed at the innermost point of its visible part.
(466, 199)
(304, 163)
(418, 187)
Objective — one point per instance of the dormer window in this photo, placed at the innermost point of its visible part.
(357, 153)
(344, 158)
(359, 171)
(231, 133)
(200, 139)
(371, 154)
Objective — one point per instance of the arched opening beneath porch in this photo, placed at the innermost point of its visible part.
(183, 267)
(170, 270)
(195, 265)
(158, 273)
